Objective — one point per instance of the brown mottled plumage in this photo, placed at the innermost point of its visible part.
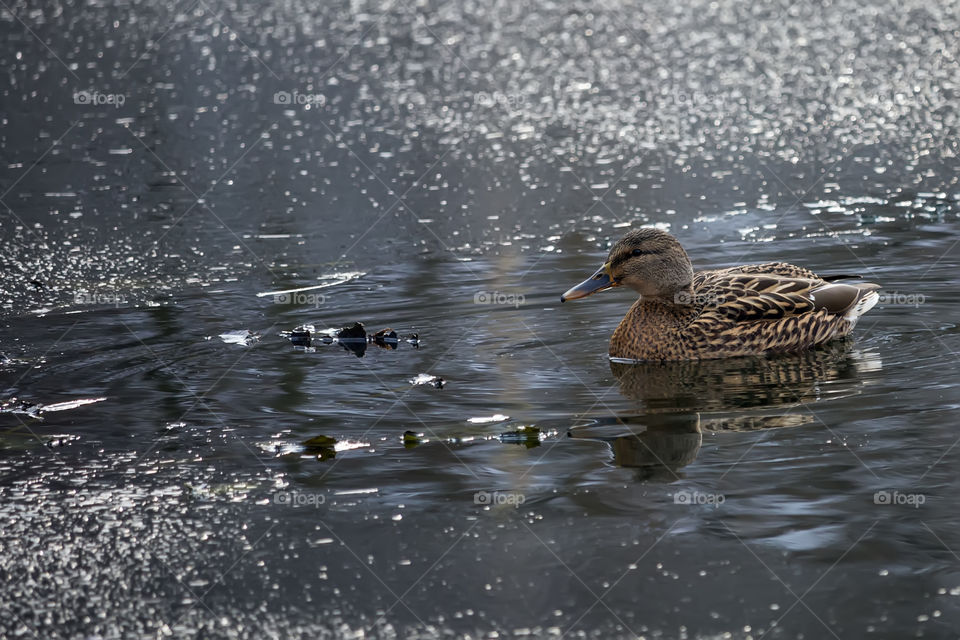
(748, 310)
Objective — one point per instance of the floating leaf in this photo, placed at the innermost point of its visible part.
(353, 338)
(317, 442)
(353, 332)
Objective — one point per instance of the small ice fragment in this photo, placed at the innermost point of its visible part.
(240, 336)
(499, 417)
(71, 404)
(426, 378)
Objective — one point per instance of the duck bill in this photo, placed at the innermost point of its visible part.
(600, 281)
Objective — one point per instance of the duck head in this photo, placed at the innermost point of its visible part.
(649, 261)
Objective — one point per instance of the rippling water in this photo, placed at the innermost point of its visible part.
(183, 183)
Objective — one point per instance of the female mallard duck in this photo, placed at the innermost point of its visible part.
(740, 311)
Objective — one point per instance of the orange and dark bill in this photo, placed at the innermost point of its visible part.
(599, 281)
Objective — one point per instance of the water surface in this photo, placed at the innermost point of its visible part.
(447, 170)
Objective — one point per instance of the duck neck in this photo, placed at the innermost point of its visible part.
(650, 326)
(681, 296)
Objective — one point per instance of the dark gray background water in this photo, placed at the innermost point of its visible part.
(452, 152)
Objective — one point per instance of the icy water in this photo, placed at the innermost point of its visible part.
(182, 183)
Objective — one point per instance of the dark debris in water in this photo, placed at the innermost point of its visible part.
(386, 338)
(528, 436)
(321, 446)
(353, 338)
(412, 439)
(353, 332)
(21, 439)
(317, 442)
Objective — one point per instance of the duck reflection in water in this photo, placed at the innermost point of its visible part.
(678, 402)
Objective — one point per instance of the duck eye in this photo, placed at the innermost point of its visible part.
(637, 252)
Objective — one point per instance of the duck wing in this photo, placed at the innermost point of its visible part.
(746, 313)
(780, 269)
(763, 297)
(736, 297)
